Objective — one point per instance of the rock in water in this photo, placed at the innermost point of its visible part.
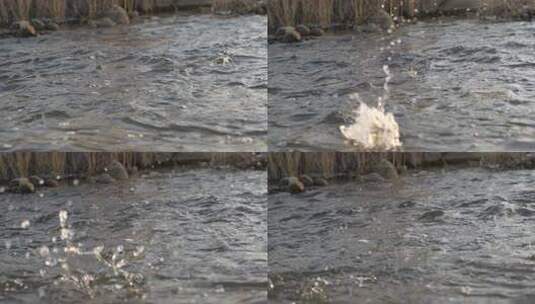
(382, 19)
(117, 171)
(24, 29)
(386, 169)
(303, 30)
(21, 185)
(320, 181)
(118, 15)
(38, 24)
(105, 179)
(104, 23)
(288, 34)
(37, 181)
(316, 32)
(295, 186)
(52, 183)
(306, 180)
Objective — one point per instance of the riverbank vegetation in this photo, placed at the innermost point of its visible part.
(52, 164)
(326, 13)
(62, 11)
(339, 164)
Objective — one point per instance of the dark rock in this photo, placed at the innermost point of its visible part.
(37, 181)
(51, 183)
(431, 215)
(320, 182)
(117, 171)
(288, 34)
(133, 15)
(382, 19)
(134, 171)
(118, 15)
(91, 180)
(306, 180)
(51, 26)
(105, 179)
(38, 24)
(24, 29)
(373, 178)
(105, 23)
(317, 32)
(295, 186)
(386, 169)
(303, 30)
(407, 204)
(403, 170)
(21, 185)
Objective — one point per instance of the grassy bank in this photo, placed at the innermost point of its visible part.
(336, 164)
(328, 12)
(61, 10)
(353, 12)
(24, 164)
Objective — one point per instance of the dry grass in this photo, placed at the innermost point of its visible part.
(327, 164)
(21, 164)
(506, 8)
(59, 10)
(327, 12)
(235, 6)
(339, 164)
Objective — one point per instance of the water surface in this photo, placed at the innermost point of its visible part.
(184, 236)
(176, 83)
(454, 236)
(457, 85)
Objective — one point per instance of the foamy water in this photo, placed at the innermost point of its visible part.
(373, 128)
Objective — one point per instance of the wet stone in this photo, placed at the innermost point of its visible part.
(21, 185)
(306, 180)
(117, 171)
(105, 179)
(431, 215)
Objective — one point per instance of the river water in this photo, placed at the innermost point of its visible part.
(173, 236)
(457, 85)
(445, 236)
(175, 83)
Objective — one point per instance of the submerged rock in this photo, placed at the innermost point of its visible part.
(118, 15)
(431, 215)
(117, 171)
(288, 34)
(24, 29)
(105, 179)
(21, 185)
(373, 178)
(102, 23)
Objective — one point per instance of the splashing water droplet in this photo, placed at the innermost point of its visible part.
(25, 224)
(63, 216)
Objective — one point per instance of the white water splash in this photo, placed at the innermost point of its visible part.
(373, 128)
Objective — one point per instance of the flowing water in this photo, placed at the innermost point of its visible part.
(173, 236)
(175, 83)
(451, 236)
(457, 85)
